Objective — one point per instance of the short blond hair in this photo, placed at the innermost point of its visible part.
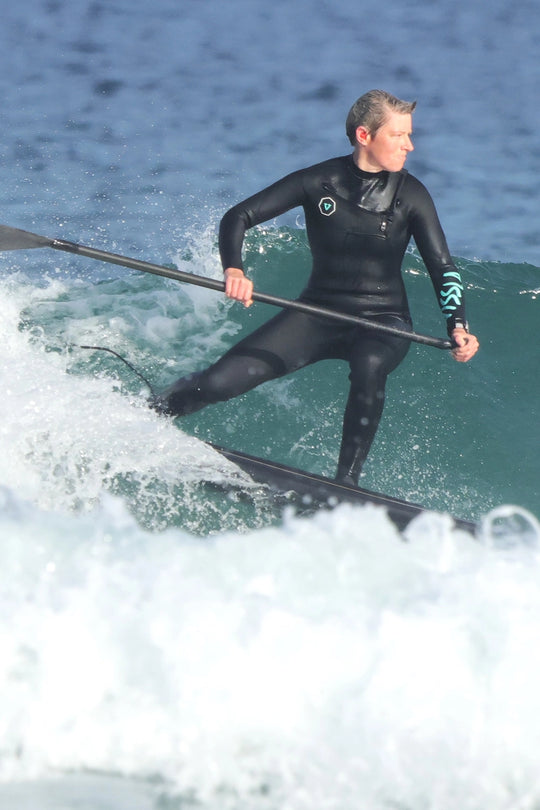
(371, 110)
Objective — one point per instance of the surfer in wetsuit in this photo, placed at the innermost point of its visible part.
(361, 211)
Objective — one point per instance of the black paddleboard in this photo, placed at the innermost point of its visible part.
(317, 491)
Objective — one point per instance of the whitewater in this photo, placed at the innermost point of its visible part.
(170, 637)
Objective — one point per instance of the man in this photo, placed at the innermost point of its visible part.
(361, 211)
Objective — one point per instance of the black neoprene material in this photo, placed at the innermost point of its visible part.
(357, 248)
(358, 225)
(288, 342)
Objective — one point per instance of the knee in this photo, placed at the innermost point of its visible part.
(369, 378)
(215, 386)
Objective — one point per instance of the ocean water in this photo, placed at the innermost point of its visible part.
(171, 638)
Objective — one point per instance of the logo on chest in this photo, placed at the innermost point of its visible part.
(327, 206)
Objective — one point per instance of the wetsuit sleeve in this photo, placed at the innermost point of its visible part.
(278, 198)
(430, 240)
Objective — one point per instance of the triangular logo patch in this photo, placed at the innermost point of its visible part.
(327, 206)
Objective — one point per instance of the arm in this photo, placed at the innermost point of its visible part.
(267, 204)
(431, 242)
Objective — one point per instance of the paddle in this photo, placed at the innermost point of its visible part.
(16, 239)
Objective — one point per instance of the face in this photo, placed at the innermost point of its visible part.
(387, 150)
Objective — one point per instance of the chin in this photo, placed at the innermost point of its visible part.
(395, 166)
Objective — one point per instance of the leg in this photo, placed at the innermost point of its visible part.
(285, 343)
(372, 360)
(232, 375)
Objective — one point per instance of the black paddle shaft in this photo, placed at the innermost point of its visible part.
(16, 239)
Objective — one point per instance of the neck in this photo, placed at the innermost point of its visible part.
(362, 162)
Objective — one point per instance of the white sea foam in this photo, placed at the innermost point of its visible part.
(323, 658)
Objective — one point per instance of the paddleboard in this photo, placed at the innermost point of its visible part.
(313, 491)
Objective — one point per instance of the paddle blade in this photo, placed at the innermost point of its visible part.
(15, 239)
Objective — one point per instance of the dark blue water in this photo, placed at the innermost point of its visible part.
(166, 643)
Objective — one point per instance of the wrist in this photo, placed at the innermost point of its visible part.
(458, 325)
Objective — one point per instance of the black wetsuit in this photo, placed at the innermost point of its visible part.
(358, 226)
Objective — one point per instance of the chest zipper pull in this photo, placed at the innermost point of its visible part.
(383, 226)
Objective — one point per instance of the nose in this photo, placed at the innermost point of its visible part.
(409, 146)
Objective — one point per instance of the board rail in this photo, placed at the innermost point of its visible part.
(315, 491)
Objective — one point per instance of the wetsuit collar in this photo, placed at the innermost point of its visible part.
(362, 174)
(375, 191)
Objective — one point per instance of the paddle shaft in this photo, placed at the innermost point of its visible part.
(263, 298)
(16, 239)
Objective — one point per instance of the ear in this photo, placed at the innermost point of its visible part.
(362, 135)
